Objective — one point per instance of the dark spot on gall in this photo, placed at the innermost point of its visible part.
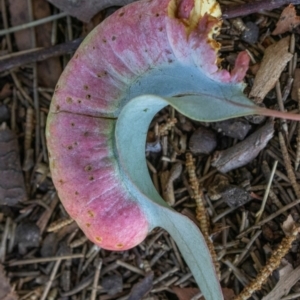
(91, 213)
(86, 87)
(157, 15)
(76, 56)
(120, 246)
(98, 239)
(160, 29)
(88, 168)
(88, 96)
(69, 100)
(79, 101)
(91, 178)
(121, 14)
(113, 38)
(76, 193)
(72, 124)
(170, 61)
(70, 147)
(86, 133)
(57, 107)
(88, 224)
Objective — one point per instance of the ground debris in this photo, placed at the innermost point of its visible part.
(6, 292)
(203, 141)
(236, 128)
(85, 10)
(48, 70)
(12, 187)
(274, 61)
(245, 151)
(141, 289)
(288, 20)
(112, 284)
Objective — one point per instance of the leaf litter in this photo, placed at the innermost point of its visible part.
(234, 241)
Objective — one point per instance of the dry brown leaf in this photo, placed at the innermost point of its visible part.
(85, 10)
(288, 225)
(12, 186)
(6, 292)
(274, 61)
(288, 20)
(228, 294)
(189, 293)
(5, 91)
(296, 85)
(49, 70)
(185, 293)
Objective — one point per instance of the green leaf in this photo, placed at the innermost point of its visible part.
(130, 138)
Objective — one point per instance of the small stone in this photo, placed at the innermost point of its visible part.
(236, 128)
(235, 196)
(251, 33)
(27, 236)
(203, 141)
(112, 284)
(49, 245)
(4, 113)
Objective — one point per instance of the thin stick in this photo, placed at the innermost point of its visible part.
(33, 23)
(262, 208)
(297, 161)
(22, 58)
(288, 165)
(254, 7)
(5, 23)
(43, 260)
(96, 279)
(49, 283)
(130, 267)
(269, 218)
(281, 106)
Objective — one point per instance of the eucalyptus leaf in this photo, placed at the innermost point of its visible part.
(131, 130)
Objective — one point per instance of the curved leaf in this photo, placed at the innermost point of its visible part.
(130, 136)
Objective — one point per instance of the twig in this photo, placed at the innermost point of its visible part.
(22, 58)
(49, 283)
(32, 24)
(281, 106)
(254, 7)
(260, 212)
(43, 259)
(288, 165)
(297, 161)
(130, 267)
(96, 279)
